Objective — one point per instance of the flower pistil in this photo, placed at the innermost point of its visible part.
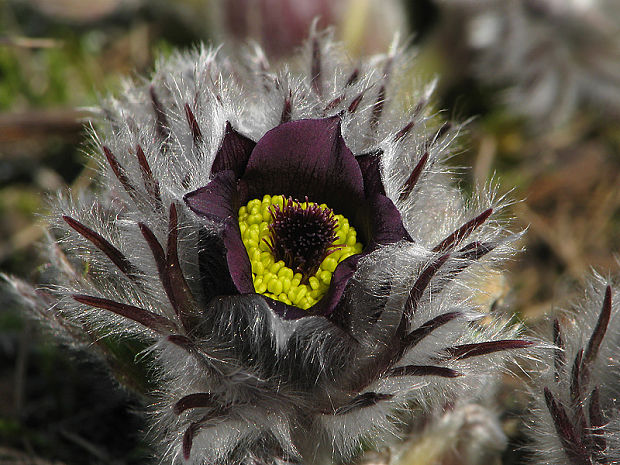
(294, 247)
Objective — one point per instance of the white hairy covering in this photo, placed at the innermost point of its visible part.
(278, 385)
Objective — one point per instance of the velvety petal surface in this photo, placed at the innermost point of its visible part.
(307, 158)
(218, 200)
(215, 278)
(237, 258)
(386, 224)
(343, 273)
(369, 164)
(234, 152)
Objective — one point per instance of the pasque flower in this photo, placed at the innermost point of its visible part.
(577, 418)
(281, 26)
(292, 248)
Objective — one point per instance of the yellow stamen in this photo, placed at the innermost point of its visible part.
(273, 278)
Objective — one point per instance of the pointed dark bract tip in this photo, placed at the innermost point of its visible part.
(191, 401)
(355, 103)
(161, 120)
(353, 77)
(119, 172)
(424, 370)
(599, 331)
(315, 67)
(181, 341)
(156, 322)
(413, 178)
(549, 400)
(115, 255)
(559, 358)
(415, 336)
(443, 130)
(150, 183)
(188, 439)
(286, 110)
(557, 334)
(377, 109)
(575, 381)
(367, 399)
(485, 348)
(404, 131)
(193, 124)
(463, 232)
(422, 283)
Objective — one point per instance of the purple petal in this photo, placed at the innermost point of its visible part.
(239, 265)
(343, 273)
(215, 279)
(286, 312)
(370, 164)
(307, 158)
(233, 153)
(218, 200)
(386, 224)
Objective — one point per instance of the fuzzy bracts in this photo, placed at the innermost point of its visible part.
(241, 377)
(577, 417)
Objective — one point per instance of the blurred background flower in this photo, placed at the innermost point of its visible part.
(550, 58)
(280, 26)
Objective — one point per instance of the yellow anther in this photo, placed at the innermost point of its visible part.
(275, 286)
(314, 283)
(329, 264)
(261, 288)
(285, 272)
(275, 267)
(273, 278)
(257, 267)
(325, 277)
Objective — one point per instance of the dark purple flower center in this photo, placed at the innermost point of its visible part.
(302, 235)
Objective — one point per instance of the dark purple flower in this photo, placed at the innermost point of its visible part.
(304, 159)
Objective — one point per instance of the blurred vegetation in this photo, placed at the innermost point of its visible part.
(56, 407)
